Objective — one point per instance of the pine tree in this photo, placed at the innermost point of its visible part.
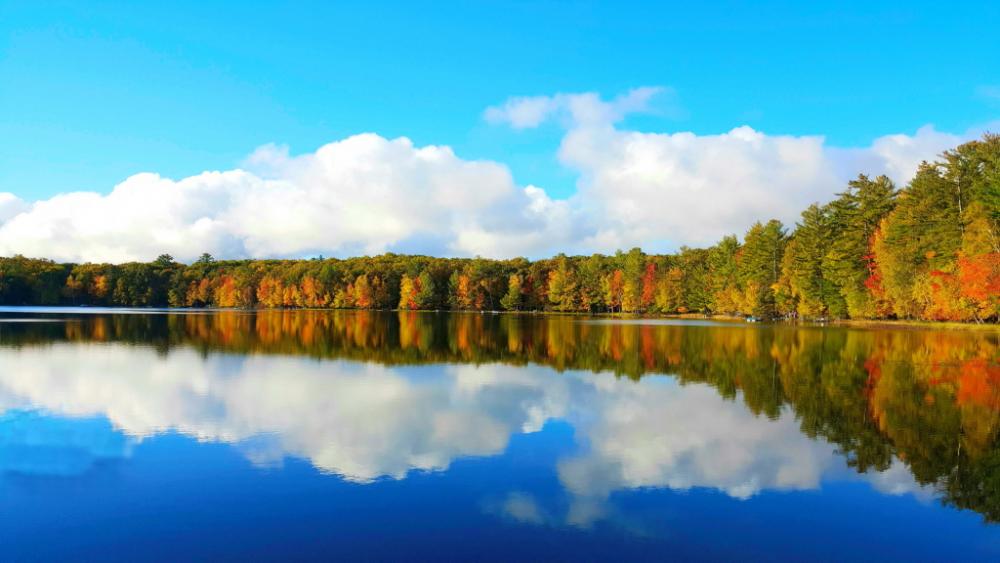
(817, 296)
(759, 267)
(857, 214)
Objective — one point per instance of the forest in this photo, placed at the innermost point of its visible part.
(929, 250)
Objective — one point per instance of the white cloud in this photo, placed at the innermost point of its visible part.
(10, 205)
(364, 194)
(368, 194)
(522, 112)
(686, 188)
(898, 156)
(662, 190)
(525, 112)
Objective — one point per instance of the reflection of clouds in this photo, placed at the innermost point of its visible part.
(897, 480)
(362, 421)
(35, 444)
(523, 507)
(365, 421)
(661, 434)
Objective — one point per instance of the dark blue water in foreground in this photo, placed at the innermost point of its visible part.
(183, 438)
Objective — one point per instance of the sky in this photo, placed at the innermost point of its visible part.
(292, 129)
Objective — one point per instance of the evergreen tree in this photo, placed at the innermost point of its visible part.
(856, 215)
(759, 267)
(816, 295)
(722, 265)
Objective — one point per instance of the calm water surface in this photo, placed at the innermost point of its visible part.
(385, 436)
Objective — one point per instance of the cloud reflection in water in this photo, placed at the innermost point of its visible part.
(368, 421)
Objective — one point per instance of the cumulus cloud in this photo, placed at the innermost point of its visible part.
(662, 190)
(10, 205)
(899, 155)
(682, 188)
(365, 194)
(368, 194)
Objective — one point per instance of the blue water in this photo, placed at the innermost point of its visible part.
(115, 450)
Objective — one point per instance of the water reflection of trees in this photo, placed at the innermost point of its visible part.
(930, 398)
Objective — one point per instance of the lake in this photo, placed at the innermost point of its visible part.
(301, 435)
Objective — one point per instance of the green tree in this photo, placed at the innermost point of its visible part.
(722, 264)
(848, 263)
(562, 286)
(817, 296)
(511, 301)
(633, 266)
(759, 267)
(425, 291)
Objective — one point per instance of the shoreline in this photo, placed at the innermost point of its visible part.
(911, 324)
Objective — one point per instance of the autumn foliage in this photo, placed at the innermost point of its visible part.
(930, 250)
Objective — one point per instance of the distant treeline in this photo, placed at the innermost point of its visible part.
(928, 251)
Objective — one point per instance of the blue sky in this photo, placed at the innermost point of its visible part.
(93, 92)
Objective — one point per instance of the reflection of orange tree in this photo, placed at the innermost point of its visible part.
(413, 333)
(936, 402)
(979, 384)
(971, 376)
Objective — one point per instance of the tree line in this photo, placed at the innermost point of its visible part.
(930, 250)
